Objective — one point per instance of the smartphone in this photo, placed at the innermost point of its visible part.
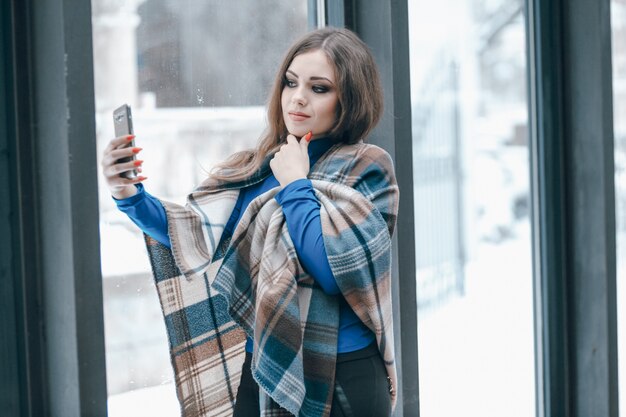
(123, 122)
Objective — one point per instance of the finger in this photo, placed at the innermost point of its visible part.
(121, 153)
(119, 141)
(304, 142)
(113, 157)
(122, 182)
(291, 139)
(117, 169)
(138, 179)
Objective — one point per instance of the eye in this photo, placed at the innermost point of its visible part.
(320, 89)
(290, 83)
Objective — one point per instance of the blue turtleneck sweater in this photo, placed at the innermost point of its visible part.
(302, 215)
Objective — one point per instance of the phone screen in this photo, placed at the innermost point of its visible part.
(123, 122)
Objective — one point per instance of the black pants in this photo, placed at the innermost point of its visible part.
(361, 387)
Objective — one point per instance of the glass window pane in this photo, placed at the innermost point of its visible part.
(472, 208)
(196, 74)
(618, 28)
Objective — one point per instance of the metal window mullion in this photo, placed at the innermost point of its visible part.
(549, 244)
(21, 268)
(66, 204)
(341, 13)
(321, 13)
(11, 328)
(590, 192)
(573, 207)
(383, 26)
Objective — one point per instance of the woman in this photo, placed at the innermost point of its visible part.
(276, 274)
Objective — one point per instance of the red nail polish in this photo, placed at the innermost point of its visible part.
(138, 162)
(307, 137)
(137, 150)
(130, 137)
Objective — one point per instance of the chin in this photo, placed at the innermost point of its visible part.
(298, 132)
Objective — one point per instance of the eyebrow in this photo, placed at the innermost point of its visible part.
(312, 78)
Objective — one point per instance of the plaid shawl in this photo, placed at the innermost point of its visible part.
(213, 294)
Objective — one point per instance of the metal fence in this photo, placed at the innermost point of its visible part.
(438, 180)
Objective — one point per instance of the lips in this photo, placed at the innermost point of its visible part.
(298, 117)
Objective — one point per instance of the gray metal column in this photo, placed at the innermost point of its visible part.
(51, 257)
(10, 372)
(574, 207)
(589, 164)
(22, 378)
(68, 203)
(383, 25)
(549, 207)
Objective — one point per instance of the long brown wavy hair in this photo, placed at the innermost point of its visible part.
(359, 94)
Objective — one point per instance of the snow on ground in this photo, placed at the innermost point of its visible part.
(476, 354)
(122, 248)
(159, 401)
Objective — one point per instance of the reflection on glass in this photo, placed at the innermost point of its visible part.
(618, 28)
(472, 208)
(196, 75)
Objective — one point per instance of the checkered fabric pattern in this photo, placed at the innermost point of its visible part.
(215, 289)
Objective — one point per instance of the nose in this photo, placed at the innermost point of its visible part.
(298, 96)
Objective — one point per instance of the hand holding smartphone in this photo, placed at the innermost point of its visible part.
(123, 122)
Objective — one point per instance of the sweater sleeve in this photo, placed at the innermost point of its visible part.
(147, 212)
(302, 214)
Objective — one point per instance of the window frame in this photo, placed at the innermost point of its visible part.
(56, 331)
(573, 194)
(383, 26)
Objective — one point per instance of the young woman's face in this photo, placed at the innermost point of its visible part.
(309, 99)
